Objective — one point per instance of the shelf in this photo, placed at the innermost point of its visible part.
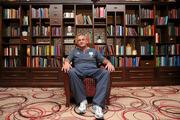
(118, 25)
(147, 19)
(132, 25)
(84, 26)
(99, 25)
(69, 36)
(13, 37)
(40, 36)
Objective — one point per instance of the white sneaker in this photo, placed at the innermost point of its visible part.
(98, 112)
(82, 107)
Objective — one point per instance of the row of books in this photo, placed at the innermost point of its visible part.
(114, 50)
(147, 13)
(131, 19)
(43, 30)
(55, 62)
(173, 30)
(147, 49)
(119, 30)
(128, 61)
(117, 61)
(44, 62)
(11, 13)
(40, 50)
(110, 30)
(147, 30)
(119, 19)
(13, 30)
(171, 49)
(144, 31)
(46, 50)
(100, 12)
(101, 49)
(161, 20)
(161, 50)
(174, 61)
(132, 61)
(11, 51)
(174, 13)
(131, 31)
(11, 62)
(119, 50)
(170, 61)
(55, 50)
(83, 19)
(40, 12)
(56, 31)
(174, 49)
(39, 62)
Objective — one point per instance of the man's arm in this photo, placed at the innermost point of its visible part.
(108, 66)
(66, 65)
(105, 61)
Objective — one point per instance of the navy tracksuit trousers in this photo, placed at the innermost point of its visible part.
(102, 77)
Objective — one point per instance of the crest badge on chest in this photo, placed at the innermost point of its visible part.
(91, 54)
(78, 53)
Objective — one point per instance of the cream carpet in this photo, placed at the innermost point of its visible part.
(127, 103)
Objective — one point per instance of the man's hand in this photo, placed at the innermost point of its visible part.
(110, 67)
(66, 66)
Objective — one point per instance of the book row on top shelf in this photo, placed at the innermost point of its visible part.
(41, 35)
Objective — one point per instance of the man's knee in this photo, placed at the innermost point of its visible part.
(106, 72)
(72, 72)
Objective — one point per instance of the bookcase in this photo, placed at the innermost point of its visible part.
(141, 39)
(167, 41)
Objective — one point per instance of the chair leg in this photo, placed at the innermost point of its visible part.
(67, 89)
(67, 98)
(109, 92)
(67, 102)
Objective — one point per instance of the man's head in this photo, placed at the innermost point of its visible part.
(81, 41)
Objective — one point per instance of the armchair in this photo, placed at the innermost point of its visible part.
(90, 87)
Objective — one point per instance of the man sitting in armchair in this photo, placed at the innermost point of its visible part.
(85, 61)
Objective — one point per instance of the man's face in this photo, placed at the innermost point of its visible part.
(82, 41)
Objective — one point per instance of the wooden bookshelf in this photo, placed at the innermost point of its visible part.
(141, 39)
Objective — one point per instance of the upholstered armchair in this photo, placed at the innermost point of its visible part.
(90, 87)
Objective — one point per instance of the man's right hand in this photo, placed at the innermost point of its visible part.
(66, 67)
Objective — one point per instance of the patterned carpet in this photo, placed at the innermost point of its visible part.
(127, 103)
